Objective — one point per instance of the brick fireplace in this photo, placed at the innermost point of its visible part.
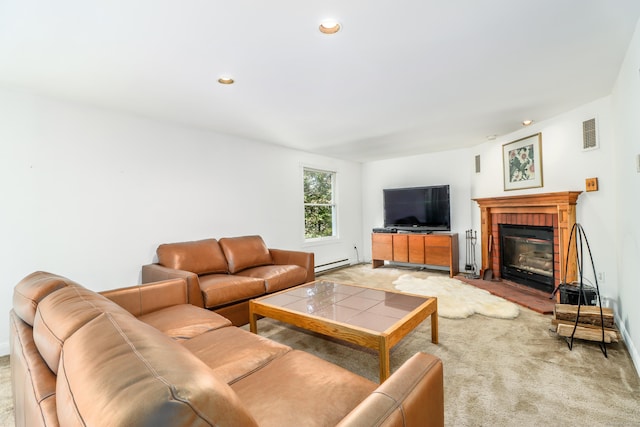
(552, 210)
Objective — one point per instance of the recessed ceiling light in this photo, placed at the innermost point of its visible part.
(226, 81)
(526, 122)
(329, 27)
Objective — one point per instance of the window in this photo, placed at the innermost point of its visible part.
(319, 204)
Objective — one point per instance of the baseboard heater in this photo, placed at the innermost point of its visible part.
(331, 265)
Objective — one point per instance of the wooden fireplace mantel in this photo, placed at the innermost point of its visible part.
(563, 204)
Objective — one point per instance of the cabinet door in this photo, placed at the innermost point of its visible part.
(437, 250)
(401, 247)
(381, 246)
(416, 249)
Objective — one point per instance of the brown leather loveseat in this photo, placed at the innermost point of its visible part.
(144, 356)
(223, 275)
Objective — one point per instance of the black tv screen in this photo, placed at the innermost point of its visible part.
(418, 208)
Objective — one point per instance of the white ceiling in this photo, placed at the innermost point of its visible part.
(401, 78)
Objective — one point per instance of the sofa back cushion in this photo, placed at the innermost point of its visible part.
(118, 371)
(61, 314)
(199, 257)
(32, 289)
(245, 252)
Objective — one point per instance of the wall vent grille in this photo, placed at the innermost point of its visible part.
(589, 135)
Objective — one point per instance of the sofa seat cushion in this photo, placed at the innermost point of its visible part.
(233, 353)
(118, 371)
(199, 257)
(297, 388)
(184, 321)
(277, 277)
(220, 289)
(245, 252)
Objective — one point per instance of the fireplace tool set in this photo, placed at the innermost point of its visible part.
(470, 266)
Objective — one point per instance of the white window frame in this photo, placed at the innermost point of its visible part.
(333, 204)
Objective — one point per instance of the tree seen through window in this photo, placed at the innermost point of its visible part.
(319, 205)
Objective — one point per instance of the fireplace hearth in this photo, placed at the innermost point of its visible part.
(527, 256)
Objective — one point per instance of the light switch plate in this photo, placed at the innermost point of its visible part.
(591, 184)
(638, 163)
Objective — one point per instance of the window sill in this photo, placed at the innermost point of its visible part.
(321, 241)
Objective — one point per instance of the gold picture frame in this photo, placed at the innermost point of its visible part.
(522, 163)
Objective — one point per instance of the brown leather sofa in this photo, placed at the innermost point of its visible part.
(144, 356)
(223, 275)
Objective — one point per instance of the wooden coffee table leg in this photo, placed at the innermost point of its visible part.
(253, 324)
(385, 369)
(434, 326)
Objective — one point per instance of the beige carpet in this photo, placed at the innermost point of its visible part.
(497, 372)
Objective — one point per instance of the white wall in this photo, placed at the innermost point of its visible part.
(89, 193)
(447, 167)
(626, 111)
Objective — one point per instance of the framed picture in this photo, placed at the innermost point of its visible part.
(522, 163)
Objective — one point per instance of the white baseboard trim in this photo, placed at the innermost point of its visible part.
(332, 265)
(633, 351)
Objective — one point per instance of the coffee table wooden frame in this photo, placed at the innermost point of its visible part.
(380, 341)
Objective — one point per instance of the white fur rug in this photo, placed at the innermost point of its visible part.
(456, 299)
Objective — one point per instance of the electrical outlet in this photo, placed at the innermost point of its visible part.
(638, 163)
(601, 277)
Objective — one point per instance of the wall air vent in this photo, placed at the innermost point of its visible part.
(589, 135)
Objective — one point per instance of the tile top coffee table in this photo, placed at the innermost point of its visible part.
(373, 318)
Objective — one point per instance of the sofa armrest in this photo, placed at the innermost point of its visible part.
(303, 259)
(149, 297)
(412, 396)
(157, 273)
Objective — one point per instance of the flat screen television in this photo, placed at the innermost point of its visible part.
(419, 209)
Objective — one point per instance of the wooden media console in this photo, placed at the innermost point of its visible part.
(427, 249)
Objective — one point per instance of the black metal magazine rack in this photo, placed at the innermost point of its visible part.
(579, 239)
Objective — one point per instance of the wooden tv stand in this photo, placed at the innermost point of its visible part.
(415, 248)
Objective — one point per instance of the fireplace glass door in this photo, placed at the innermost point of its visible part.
(527, 255)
